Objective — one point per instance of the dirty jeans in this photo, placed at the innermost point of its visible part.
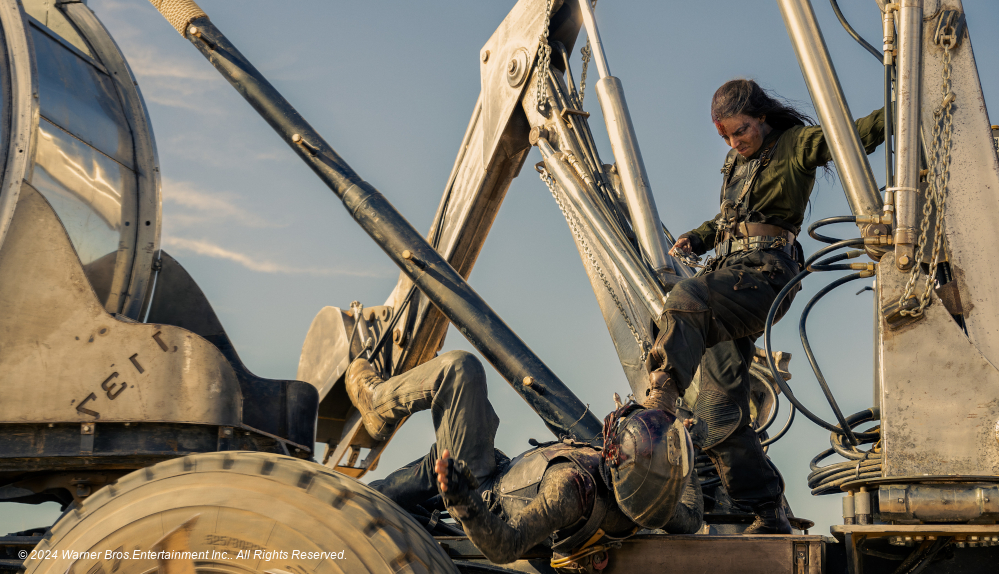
(453, 387)
(711, 322)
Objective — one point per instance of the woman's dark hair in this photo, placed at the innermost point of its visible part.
(747, 97)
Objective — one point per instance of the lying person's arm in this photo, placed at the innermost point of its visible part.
(558, 504)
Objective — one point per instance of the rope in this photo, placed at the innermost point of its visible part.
(179, 12)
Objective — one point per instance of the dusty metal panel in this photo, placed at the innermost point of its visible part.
(939, 395)
(22, 107)
(282, 409)
(737, 554)
(514, 43)
(63, 358)
(48, 13)
(325, 353)
(973, 196)
(773, 554)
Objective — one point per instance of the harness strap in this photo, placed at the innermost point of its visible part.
(758, 166)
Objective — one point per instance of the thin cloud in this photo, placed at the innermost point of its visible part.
(199, 205)
(174, 82)
(208, 249)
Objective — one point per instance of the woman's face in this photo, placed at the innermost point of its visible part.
(743, 133)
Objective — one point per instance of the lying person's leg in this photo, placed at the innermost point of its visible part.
(453, 387)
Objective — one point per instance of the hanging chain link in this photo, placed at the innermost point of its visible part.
(575, 226)
(587, 53)
(544, 59)
(936, 191)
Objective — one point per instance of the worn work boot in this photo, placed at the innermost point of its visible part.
(769, 520)
(362, 386)
(662, 393)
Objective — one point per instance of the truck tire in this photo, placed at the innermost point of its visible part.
(256, 512)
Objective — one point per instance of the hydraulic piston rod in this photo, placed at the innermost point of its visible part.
(558, 407)
(649, 291)
(628, 156)
(910, 31)
(830, 104)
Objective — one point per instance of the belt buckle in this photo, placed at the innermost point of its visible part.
(780, 243)
(725, 248)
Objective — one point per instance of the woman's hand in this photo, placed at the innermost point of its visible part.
(682, 245)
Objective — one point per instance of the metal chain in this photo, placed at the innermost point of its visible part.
(936, 191)
(544, 59)
(587, 53)
(574, 226)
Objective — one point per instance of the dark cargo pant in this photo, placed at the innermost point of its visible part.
(453, 387)
(712, 321)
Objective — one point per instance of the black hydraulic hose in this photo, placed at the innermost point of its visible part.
(921, 557)
(853, 33)
(802, 331)
(836, 441)
(783, 431)
(768, 329)
(840, 244)
(824, 265)
(829, 221)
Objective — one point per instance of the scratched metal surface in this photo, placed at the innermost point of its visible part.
(939, 405)
(973, 191)
(65, 359)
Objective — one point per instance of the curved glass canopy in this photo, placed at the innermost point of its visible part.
(93, 157)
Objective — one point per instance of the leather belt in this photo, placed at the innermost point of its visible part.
(755, 242)
(753, 230)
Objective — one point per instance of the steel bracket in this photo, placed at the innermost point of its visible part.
(800, 558)
(87, 438)
(949, 28)
(225, 438)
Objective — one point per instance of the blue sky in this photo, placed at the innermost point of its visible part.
(391, 86)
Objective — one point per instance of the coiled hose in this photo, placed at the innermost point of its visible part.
(860, 464)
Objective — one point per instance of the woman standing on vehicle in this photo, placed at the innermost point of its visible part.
(713, 319)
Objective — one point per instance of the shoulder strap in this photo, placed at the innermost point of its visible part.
(726, 172)
(729, 162)
(758, 166)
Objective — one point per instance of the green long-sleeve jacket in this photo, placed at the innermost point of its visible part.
(782, 189)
